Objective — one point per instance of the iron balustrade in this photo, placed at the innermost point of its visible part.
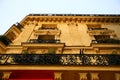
(61, 59)
(43, 41)
(112, 41)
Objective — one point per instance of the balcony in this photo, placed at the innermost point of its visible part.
(97, 29)
(43, 41)
(109, 41)
(100, 31)
(61, 59)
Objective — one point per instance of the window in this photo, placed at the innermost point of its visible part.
(47, 39)
(11, 35)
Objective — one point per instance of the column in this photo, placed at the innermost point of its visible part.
(6, 75)
(94, 76)
(83, 76)
(57, 75)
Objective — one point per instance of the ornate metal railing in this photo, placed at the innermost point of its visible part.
(43, 41)
(60, 59)
(112, 41)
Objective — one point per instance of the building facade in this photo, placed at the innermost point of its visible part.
(62, 47)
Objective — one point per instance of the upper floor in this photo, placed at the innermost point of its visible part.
(63, 33)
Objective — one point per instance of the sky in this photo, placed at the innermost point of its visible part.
(12, 11)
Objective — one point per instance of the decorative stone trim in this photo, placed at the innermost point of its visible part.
(94, 76)
(83, 76)
(57, 75)
(6, 75)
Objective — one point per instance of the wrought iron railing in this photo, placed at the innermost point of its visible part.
(43, 41)
(111, 41)
(61, 59)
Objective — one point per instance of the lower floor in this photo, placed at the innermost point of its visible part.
(58, 75)
(57, 72)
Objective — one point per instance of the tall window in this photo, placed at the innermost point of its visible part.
(46, 39)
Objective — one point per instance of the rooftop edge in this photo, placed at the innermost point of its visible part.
(74, 15)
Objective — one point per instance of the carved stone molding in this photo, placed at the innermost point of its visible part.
(101, 32)
(47, 32)
(83, 76)
(57, 75)
(6, 75)
(94, 76)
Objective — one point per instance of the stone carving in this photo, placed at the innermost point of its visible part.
(94, 76)
(6, 75)
(83, 76)
(57, 75)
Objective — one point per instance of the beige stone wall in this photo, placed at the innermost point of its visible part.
(1, 50)
(115, 27)
(72, 34)
(14, 50)
(25, 34)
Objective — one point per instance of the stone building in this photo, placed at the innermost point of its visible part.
(61, 47)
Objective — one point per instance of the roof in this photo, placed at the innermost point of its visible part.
(74, 15)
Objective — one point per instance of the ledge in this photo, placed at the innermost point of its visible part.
(38, 67)
(46, 32)
(101, 32)
(107, 45)
(42, 44)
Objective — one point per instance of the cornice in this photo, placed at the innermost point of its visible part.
(101, 19)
